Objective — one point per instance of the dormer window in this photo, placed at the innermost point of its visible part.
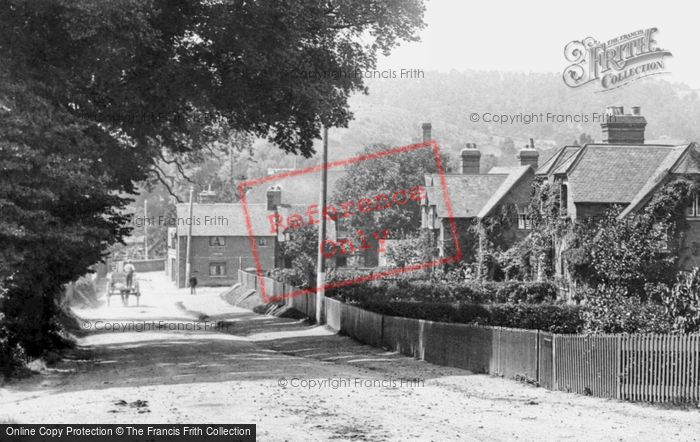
(693, 208)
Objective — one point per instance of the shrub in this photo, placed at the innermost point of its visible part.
(464, 304)
(612, 309)
(682, 302)
(466, 292)
(295, 277)
(551, 318)
(12, 357)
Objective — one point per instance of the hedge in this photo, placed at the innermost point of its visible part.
(466, 304)
(552, 318)
(434, 291)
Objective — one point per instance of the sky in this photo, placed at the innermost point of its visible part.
(530, 36)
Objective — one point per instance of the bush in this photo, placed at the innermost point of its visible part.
(551, 318)
(466, 292)
(464, 304)
(12, 357)
(612, 309)
(295, 277)
(682, 302)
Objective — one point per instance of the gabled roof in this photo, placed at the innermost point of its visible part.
(557, 159)
(611, 173)
(513, 177)
(681, 160)
(220, 219)
(473, 195)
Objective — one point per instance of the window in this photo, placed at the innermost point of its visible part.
(341, 261)
(524, 222)
(262, 242)
(217, 269)
(693, 209)
(661, 235)
(217, 241)
(564, 200)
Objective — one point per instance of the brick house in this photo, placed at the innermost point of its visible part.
(474, 196)
(220, 244)
(622, 171)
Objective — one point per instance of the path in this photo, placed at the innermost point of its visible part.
(236, 375)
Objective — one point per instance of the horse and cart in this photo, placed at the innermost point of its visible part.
(119, 283)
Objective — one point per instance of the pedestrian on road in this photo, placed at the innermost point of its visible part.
(129, 269)
(193, 285)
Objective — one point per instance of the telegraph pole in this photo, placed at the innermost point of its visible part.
(188, 262)
(145, 227)
(321, 263)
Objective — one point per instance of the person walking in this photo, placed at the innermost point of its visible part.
(129, 269)
(193, 285)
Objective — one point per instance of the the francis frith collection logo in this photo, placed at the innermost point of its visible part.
(616, 62)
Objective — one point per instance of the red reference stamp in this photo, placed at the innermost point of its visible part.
(286, 219)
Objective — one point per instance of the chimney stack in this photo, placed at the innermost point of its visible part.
(529, 156)
(471, 159)
(207, 196)
(274, 197)
(621, 128)
(427, 132)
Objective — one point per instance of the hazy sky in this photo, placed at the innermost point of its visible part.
(530, 36)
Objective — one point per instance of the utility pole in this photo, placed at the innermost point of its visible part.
(145, 228)
(188, 258)
(321, 263)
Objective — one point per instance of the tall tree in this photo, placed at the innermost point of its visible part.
(96, 94)
(386, 175)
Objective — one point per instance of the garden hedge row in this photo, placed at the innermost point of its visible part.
(468, 292)
(465, 304)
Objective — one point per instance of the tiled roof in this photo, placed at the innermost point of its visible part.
(296, 189)
(220, 219)
(557, 159)
(468, 193)
(473, 195)
(671, 164)
(514, 174)
(608, 173)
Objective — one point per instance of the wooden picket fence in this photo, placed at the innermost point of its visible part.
(634, 367)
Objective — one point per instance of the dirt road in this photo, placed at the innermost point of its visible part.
(298, 382)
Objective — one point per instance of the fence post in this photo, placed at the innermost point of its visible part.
(618, 384)
(537, 357)
(555, 383)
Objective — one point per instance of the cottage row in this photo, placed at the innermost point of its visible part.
(621, 171)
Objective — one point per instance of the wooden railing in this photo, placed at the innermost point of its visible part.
(637, 367)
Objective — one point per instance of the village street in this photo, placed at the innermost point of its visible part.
(298, 382)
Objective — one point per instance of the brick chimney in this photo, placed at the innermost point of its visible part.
(528, 155)
(471, 158)
(274, 197)
(427, 132)
(207, 196)
(622, 128)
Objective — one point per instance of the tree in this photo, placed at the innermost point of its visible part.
(59, 199)
(386, 175)
(98, 95)
(299, 253)
(160, 70)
